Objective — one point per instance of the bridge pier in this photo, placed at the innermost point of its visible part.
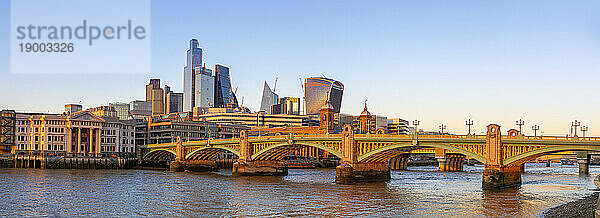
(362, 172)
(451, 162)
(351, 170)
(496, 175)
(501, 177)
(583, 160)
(260, 168)
(245, 166)
(194, 166)
(399, 162)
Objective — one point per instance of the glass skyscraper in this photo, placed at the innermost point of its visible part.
(317, 90)
(223, 93)
(194, 59)
(269, 98)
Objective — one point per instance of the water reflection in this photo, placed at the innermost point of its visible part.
(422, 191)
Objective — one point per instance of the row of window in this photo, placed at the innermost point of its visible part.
(49, 147)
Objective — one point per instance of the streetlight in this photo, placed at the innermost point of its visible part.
(535, 128)
(574, 125)
(469, 123)
(416, 124)
(584, 129)
(442, 127)
(520, 123)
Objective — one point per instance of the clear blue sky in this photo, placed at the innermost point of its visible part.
(437, 61)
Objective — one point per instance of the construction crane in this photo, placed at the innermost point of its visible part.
(275, 86)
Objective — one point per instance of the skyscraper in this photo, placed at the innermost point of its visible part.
(317, 90)
(205, 88)
(174, 102)
(269, 98)
(194, 59)
(155, 95)
(223, 93)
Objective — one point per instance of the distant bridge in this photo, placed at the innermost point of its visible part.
(502, 154)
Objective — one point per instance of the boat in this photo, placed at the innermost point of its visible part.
(300, 164)
(566, 161)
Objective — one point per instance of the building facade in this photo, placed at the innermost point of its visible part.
(193, 60)
(156, 96)
(167, 127)
(103, 111)
(318, 90)
(122, 110)
(77, 134)
(254, 119)
(174, 102)
(118, 136)
(8, 122)
(72, 108)
(223, 93)
(205, 88)
(398, 126)
(269, 98)
(287, 105)
(140, 109)
(80, 134)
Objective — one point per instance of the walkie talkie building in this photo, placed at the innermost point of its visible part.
(317, 90)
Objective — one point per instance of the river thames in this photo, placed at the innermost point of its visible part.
(421, 191)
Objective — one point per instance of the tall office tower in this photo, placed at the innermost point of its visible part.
(223, 93)
(317, 90)
(269, 98)
(167, 90)
(194, 59)
(155, 95)
(174, 102)
(205, 88)
(122, 110)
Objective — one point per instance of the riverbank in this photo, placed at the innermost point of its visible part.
(584, 207)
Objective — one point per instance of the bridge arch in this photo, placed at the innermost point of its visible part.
(530, 155)
(408, 146)
(157, 152)
(303, 143)
(194, 152)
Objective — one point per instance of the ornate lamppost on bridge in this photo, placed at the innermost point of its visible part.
(469, 123)
(535, 128)
(416, 124)
(584, 129)
(520, 123)
(442, 127)
(574, 125)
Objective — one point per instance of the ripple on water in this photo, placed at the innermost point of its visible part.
(422, 191)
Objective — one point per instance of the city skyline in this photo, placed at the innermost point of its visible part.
(533, 61)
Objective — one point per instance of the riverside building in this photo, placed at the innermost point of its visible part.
(76, 134)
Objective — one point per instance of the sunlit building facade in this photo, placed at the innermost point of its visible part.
(223, 93)
(318, 90)
(122, 110)
(269, 98)
(194, 59)
(205, 88)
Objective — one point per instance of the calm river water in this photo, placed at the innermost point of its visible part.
(422, 191)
